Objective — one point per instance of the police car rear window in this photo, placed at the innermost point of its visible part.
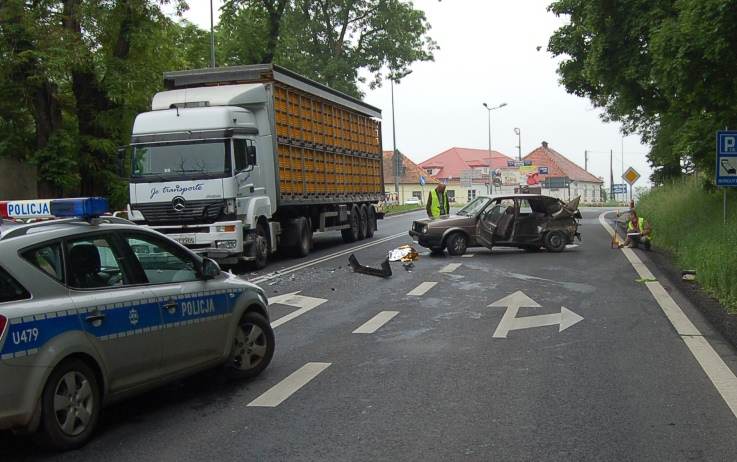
(10, 290)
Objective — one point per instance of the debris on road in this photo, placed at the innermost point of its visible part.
(405, 253)
(384, 272)
(688, 275)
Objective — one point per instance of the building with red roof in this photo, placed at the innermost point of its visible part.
(409, 180)
(450, 164)
(561, 170)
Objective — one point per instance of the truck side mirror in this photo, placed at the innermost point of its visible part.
(251, 155)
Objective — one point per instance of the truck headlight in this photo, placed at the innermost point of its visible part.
(229, 244)
(225, 229)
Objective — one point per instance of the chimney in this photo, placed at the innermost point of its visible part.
(545, 144)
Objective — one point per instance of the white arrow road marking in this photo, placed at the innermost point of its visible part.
(449, 268)
(513, 303)
(422, 288)
(373, 324)
(566, 318)
(302, 302)
(287, 387)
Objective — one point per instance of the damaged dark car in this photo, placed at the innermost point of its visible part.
(526, 221)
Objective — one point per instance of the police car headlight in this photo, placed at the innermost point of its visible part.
(229, 244)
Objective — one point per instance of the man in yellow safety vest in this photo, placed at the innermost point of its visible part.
(437, 202)
(638, 232)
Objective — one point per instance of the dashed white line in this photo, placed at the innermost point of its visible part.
(287, 387)
(422, 288)
(718, 372)
(449, 268)
(373, 324)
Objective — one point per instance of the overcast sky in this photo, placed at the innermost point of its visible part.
(488, 53)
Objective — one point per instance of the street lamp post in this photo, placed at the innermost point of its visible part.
(212, 36)
(488, 111)
(397, 157)
(518, 132)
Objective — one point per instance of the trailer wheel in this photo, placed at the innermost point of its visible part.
(363, 223)
(304, 243)
(351, 234)
(371, 221)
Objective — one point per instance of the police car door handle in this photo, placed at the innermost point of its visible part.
(95, 318)
(170, 306)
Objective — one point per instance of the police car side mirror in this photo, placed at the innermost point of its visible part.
(210, 269)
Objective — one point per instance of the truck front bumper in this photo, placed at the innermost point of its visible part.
(223, 241)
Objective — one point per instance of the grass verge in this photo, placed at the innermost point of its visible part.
(688, 222)
(395, 209)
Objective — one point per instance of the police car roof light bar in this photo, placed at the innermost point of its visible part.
(80, 207)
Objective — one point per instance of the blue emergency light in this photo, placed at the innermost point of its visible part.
(80, 207)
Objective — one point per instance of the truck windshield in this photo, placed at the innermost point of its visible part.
(191, 159)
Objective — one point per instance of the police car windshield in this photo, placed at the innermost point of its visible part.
(197, 159)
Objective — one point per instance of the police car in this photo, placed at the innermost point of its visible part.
(95, 308)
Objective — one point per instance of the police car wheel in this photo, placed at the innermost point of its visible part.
(70, 407)
(253, 347)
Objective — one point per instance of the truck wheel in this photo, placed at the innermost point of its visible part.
(70, 405)
(304, 243)
(363, 223)
(456, 244)
(262, 247)
(252, 349)
(555, 241)
(351, 234)
(371, 221)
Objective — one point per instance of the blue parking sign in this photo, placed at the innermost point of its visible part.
(726, 168)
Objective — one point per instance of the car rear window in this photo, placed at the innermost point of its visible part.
(10, 290)
(47, 259)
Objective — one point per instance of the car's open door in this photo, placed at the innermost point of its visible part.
(487, 224)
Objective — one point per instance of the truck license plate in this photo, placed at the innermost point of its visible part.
(185, 240)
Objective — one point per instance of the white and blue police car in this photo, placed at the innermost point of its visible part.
(95, 308)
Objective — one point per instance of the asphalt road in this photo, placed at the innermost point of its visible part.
(437, 380)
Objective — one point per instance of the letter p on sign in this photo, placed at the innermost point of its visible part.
(729, 143)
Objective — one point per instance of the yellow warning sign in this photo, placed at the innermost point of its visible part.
(631, 176)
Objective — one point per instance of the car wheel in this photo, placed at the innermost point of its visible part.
(351, 234)
(253, 347)
(456, 244)
(70, 405)
(363, 222)
(555, 241)
(371, 213)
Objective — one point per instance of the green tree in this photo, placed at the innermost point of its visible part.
(329, 41)
(663, 68)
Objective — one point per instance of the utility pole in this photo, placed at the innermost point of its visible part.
(586, 160)
(212, 37)
(518, 132)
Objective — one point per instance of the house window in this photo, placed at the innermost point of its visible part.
(417, 194)
(471, 194)
(429, 171)
(451, 195)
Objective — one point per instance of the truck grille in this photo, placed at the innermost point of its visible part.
(163, 213)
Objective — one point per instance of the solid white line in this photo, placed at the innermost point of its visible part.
(449, 268)
(467, 255)
(287, 387)
(373, 324)
(720, 375)
(422, 288)
(307, 264)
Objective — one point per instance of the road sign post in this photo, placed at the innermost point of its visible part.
(726, 171)
(630, 176)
